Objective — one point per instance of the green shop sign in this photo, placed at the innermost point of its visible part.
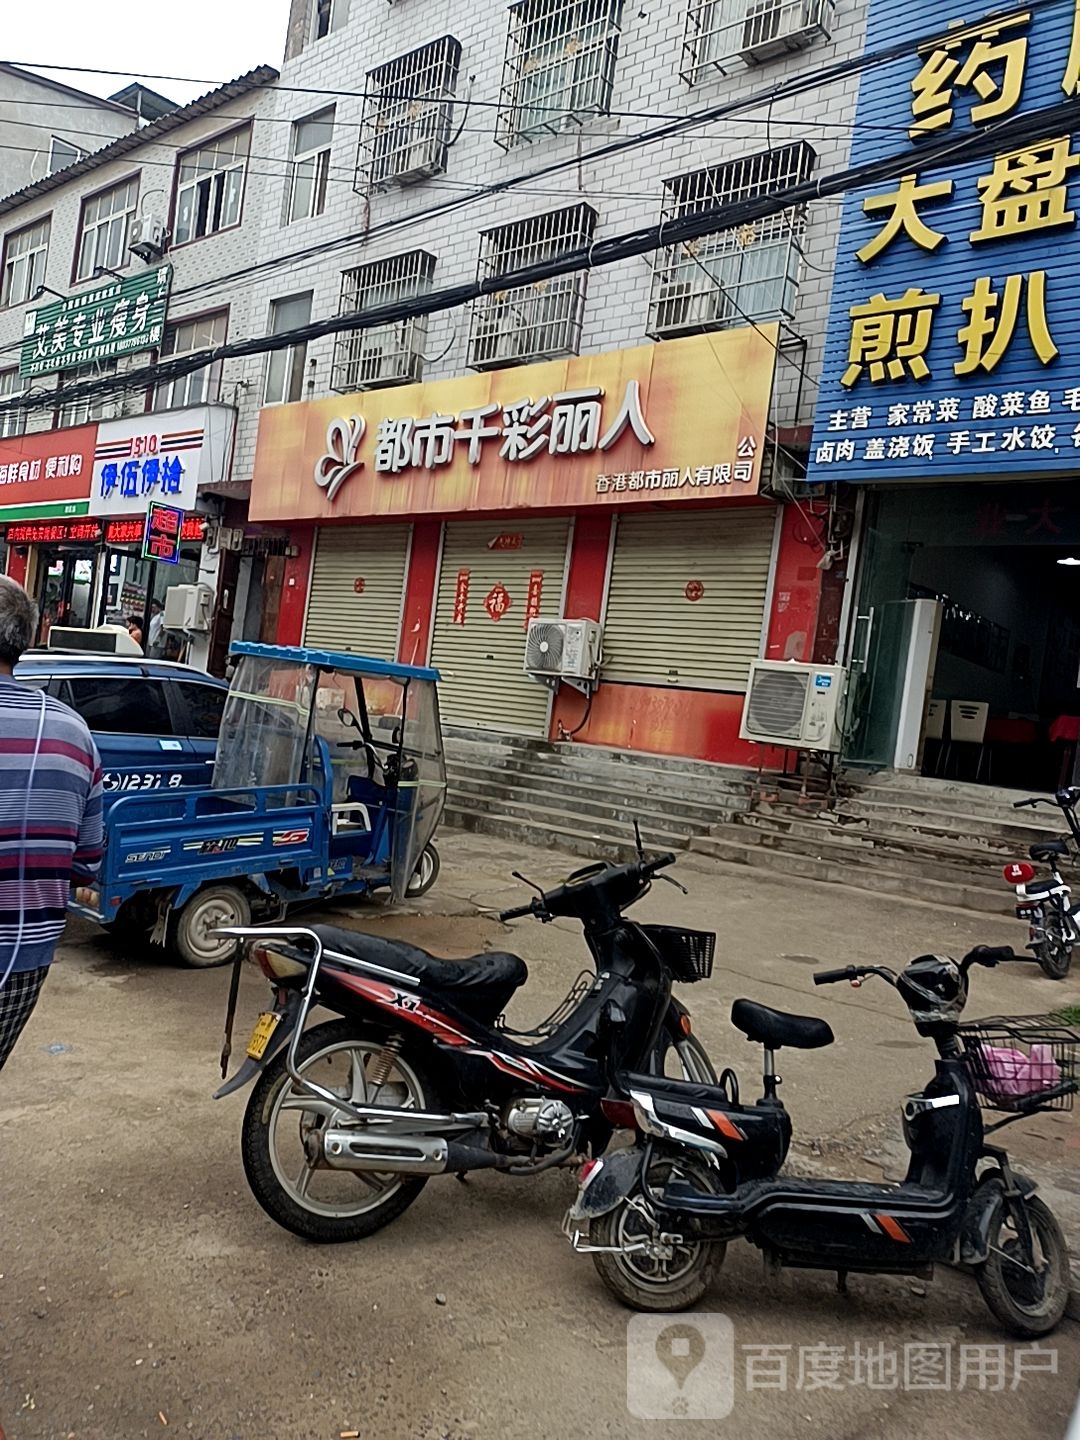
(114, 319)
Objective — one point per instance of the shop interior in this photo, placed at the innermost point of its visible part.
(1005, 686)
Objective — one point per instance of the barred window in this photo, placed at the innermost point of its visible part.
(538, 321)
(405, 133)
(750, 272)
(719, 32)
(12, 422)
(385, 354)
(559, 68)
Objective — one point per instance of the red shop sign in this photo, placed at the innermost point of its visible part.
(508, 540)
(497, 601)
(461, 597)
(533, 597)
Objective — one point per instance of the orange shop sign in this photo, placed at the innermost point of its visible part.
(681, 420)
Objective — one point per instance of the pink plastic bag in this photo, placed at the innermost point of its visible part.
(1012, 1073)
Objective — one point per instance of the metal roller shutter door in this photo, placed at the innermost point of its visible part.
(480, 661)
(653, 633)
(339, 617)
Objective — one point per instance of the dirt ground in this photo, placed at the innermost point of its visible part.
(143, 1292)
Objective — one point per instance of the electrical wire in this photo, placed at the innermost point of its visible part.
(973, 144)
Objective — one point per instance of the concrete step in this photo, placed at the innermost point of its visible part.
(551, 831)
(868, 859)
(956, 894)
(997, 834)
(478, 779)
(456, 738)
(862, 839)
(610, 821)
(922, 792)
(973, 847)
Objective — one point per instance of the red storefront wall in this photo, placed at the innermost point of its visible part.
(698, 724)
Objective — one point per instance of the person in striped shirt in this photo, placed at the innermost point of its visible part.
(50, 818)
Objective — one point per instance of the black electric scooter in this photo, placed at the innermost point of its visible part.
(1046, 905)
(420, 1076)
(657, 1226)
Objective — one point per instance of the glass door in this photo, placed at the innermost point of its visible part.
(876, 687)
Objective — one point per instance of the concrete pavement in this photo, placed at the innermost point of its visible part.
(142, 1290)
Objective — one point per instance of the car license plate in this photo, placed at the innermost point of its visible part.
(262, 1034)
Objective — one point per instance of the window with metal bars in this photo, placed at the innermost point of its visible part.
(749, 272)
(385, 354)
(405, 132)
(719, 32)
(559, 67)
(538, 321)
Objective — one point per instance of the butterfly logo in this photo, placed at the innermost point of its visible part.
(339, 462)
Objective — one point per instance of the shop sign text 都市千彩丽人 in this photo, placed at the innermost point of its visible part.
(684, 418)
(954, 332)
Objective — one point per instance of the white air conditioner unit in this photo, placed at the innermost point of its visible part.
(682, 306)
(569, 650)
(772, 27)
(188, 607)
(793, 704)
(422, 157)
(147, 238)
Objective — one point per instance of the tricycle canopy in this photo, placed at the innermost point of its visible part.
(366, 730)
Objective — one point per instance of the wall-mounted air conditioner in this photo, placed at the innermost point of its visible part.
(793, 704)
(569, 650)
(147, 239)
(772, 27)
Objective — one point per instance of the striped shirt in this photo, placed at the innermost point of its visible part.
(62, 823)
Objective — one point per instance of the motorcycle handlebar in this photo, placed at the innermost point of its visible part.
(832, 977)
(552, 902)
(650, 867)
(517, 911)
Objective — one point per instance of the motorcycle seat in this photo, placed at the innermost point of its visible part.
(1047, 850)
(776, 1028)
(1036, 889)
(481, 985)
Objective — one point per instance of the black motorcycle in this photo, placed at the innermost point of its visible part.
(1047, 905)
(656, 1218)
(421, 1077)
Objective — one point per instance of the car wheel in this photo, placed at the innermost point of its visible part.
(192, 940)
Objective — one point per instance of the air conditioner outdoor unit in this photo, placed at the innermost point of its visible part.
(793, 704)
(422, 157)
(679, 306)
(188, 607)
(147, 239)
(568, 650)
(772, 27)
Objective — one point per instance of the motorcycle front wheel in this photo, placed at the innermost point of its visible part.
(282, 1123)
(1053, 949)
(1027, 1289)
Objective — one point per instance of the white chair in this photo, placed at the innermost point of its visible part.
(967, 726)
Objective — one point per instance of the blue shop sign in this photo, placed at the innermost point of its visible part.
(953, 346)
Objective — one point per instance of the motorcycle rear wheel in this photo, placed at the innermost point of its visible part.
(312, 1201)
(1028, 1300)
(641, 1281)
(1053, 951)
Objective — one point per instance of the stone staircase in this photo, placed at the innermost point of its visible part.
(897, 834)
(584, 799)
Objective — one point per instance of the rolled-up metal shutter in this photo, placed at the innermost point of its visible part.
(686, 602)
(480, 657)
(357, 582)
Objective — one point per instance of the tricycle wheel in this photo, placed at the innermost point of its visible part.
(191, 938)
(425, 874)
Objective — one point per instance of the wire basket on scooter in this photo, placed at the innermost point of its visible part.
(688, 954)
(1023, 1063)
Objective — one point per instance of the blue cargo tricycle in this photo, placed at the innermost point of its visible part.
(329, 780)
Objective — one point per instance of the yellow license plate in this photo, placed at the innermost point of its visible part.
(262, 1035)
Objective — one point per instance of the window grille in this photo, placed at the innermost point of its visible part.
(386, 354)
(559, 67)
(405, 132)
(719, 32)
(538, 321)
(731, 277)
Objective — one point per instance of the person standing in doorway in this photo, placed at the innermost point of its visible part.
(50, 819)
(156, 641)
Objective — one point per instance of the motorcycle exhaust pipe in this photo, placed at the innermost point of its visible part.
(402, 1154)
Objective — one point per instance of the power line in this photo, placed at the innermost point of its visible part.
(1010, 134)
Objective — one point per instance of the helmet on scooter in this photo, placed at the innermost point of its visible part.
(935, 990)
